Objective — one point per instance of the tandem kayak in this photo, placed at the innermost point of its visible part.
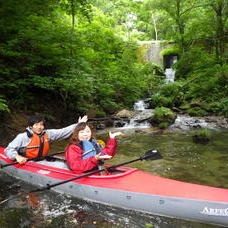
(130, 189)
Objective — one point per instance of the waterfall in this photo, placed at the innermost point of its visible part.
(141, 112)
(140, 105)
(169, 71)
(169, 75)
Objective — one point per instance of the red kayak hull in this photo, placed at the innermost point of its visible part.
(132, 189)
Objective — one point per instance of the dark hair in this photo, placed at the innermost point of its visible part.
(74, 137)
(35, 119)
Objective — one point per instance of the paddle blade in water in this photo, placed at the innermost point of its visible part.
(152, 155)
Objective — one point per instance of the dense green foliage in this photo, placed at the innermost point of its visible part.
(83, 65)
(82, 55)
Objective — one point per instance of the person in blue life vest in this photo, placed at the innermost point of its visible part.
(35, 141)
(83, 153)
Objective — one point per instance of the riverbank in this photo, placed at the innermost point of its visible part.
(182, 160)
(16, 122)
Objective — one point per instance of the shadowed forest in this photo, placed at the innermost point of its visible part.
(61, 57)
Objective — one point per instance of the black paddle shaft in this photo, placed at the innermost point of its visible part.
(149, 154)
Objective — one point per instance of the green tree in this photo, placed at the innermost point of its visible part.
(181, 12)
(219, 24)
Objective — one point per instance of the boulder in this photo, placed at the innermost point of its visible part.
(125, 114)
(163, 117)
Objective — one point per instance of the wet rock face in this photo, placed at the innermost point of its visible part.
(137, 118)
(125, 114)
(120, 123)
(220, 121)
(184, 122)
(200, 139)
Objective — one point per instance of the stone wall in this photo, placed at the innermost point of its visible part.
(150, 51)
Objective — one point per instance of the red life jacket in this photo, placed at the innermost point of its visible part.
(37, 141)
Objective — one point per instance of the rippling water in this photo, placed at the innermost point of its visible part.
(182, 160)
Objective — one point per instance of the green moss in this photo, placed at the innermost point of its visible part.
(202, 136)
(203, 132)
(196, 111)
(140, 52)
(170, 51)
(149, 225)
(163, 125)
(163, 117)
(185, 106)
(100, 114)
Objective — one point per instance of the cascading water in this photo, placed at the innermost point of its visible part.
(141, 112)
(140, 105)
(169, 71)
(169, 75)
(184, 122)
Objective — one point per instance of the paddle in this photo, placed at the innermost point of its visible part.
(149, 155)
(32, 159)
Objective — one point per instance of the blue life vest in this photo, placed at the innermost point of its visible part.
(90, 148)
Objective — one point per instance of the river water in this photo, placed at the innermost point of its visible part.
(182, 160)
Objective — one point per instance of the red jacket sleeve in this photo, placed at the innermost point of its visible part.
(110, 148)
(76, 163)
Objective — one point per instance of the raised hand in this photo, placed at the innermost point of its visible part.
(82, 119)
(113, 135)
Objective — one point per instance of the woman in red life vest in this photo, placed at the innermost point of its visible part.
(83, 153)
(35, 141)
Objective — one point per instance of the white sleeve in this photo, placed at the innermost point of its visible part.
(59, 134)
(14, 146)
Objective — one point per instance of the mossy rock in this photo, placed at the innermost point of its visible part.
(100, 114)
(202, 136)
(199, 104)
(163, 125)
(163, 117)
(185, 107)
(200, 139)
(196, 111)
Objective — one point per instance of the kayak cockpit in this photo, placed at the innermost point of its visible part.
(61, 167)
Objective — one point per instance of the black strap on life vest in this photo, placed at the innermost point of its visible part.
(22, 151)
(98, 151)
(29, 134)
(40, 152)
(96, 146)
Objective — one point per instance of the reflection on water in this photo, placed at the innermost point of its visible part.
(182, 160)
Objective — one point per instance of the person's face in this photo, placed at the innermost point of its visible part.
(85, 134)
(37, 128)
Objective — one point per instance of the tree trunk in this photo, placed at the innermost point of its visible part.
(219, 9)
(180, 26)
(72, 13)
(155, 27)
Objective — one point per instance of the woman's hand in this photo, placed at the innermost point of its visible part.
(113, 135)
(103, 157)
(82, 119)
(20, 159)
